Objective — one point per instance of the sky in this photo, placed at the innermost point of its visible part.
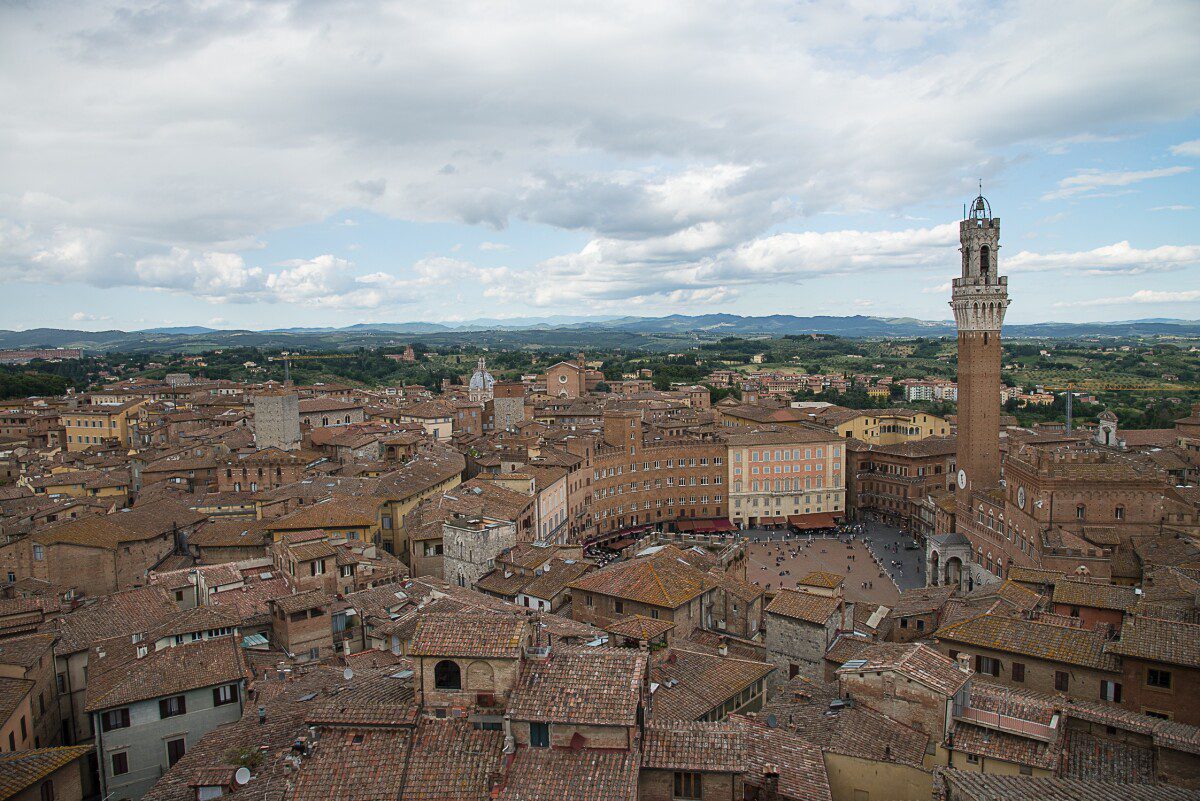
(308, 163)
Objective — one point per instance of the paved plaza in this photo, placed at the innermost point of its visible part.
(778, 559)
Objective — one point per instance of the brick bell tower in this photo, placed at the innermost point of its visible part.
(979, 299)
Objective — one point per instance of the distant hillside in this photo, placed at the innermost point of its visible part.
(655, 333)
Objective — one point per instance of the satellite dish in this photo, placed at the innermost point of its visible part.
(772, 722)
(347, 674)
(242, 776)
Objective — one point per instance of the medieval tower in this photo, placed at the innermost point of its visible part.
(979, 299)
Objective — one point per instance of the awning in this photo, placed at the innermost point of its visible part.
(706, 526)
(621, 534)
(813, 520)
(620, 544)
(772, 521)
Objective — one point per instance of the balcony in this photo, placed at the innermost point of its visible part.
(1008, 723)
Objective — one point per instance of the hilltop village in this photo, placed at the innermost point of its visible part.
(560, 589)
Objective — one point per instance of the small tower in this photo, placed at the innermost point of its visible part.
(979, 300)
(277, 420)
(1106, 434)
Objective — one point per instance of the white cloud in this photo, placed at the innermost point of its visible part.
(680, 150)
(940, 289)
(1191, 148)
(1089, 182)
(87, 317)
(1174, 207)
(1118, 258)
(493, 246)
(1142, 296)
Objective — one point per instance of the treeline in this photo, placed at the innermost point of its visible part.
(21, 383)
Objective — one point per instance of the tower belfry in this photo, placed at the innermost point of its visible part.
(979, 300)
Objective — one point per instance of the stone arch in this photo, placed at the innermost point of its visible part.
(480, 676)
(953, 572)
(447, 675)
(934, 571)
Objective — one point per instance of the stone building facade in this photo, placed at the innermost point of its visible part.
(277, 420)
(470, 547)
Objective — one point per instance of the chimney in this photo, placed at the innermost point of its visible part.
(142, 651)
(964, 663)
(262, 715)
(723, 646)
(770, 782)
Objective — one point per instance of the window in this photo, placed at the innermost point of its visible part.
(687, 785)
(1120, 512)
(988, 665)
(1079, 512)
(1018, 671)
(1160, 715)
(170, 707)
(114, 719)
(1062, 681)
(1160, 679)
(225, 694)
(1110, 691)
(973, 759)
(47, 790)
(39, 553)
(447, 676)
(619, 607)
(539, 735)
(175, 751)
(120, 764)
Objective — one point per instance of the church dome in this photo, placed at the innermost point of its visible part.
(481, 379)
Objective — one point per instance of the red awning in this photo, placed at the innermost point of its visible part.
(772, 521)
(813, 520)
(707, 526)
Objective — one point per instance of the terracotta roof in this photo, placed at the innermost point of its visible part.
(799, 763)
(333, 513)
(301, 601)
(664, 579)
(916, 661)
(451, 760)
(1168, 641)
(230, 533)
(20, 770)
(820, 578)
(286, 703)
(120, 614)
(552, 774)
(1031, 638)
(692, 746)
(12, 692)
(595, 686)
(1099, 596)
(921, 601)
(973, 786)
(639, 627)
(128, 525)
(372, 697)
(119, 677)
(25, 651)
(858, 731)
(693, 682)
(806, 606)
(466, 634)
(555, 580)
(363, 764)
(993, 744)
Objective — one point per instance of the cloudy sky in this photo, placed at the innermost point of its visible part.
(243, 164)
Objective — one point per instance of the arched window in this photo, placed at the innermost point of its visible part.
(447, 676)
(984, 260)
